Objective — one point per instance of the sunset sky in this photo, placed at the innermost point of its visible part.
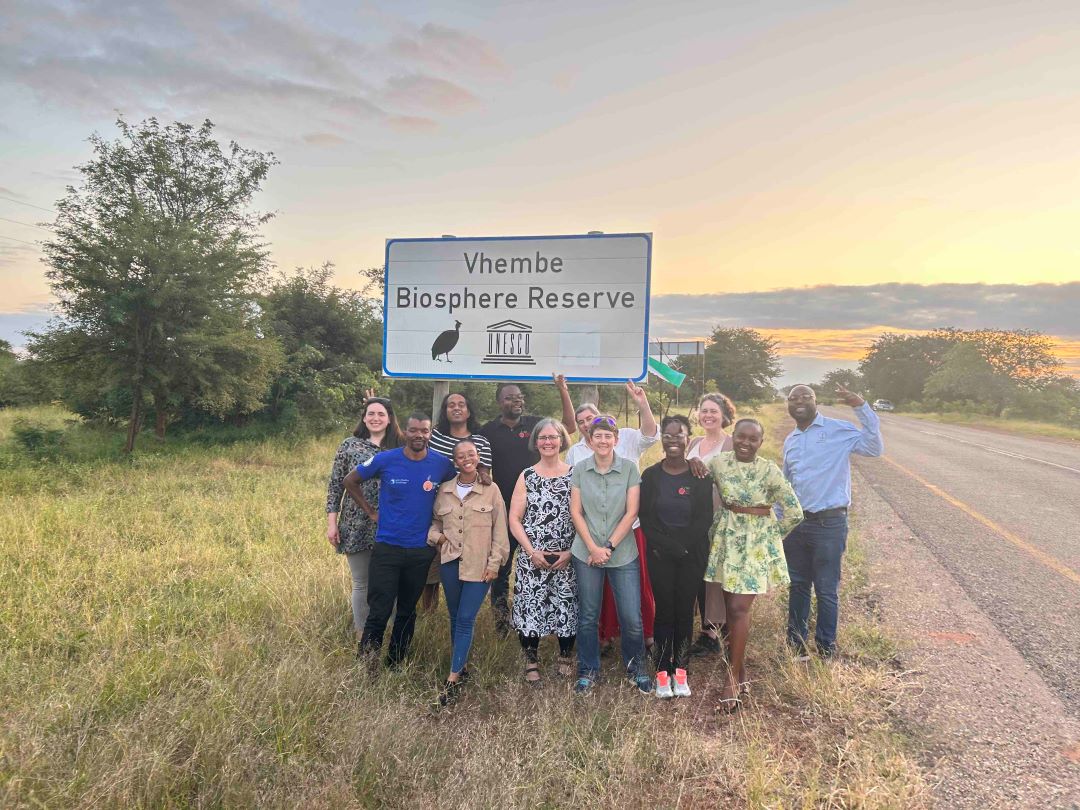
(815, 170)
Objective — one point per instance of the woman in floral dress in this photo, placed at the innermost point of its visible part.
(348, 529)
(747, 553)
(545, 589)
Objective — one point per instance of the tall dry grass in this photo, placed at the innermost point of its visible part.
(175, 632)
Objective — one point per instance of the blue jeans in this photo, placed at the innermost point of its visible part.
(463, 601)
(814, 550)
(626, 586)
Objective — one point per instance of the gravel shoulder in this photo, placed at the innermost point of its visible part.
(990, 732)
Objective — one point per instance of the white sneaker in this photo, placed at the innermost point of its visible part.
(663, 685)
(682, 688)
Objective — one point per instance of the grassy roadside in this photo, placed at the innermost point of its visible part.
(1018, 427)
(174, 631)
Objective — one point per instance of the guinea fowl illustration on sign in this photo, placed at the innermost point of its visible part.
(445, 342)
(509, 343)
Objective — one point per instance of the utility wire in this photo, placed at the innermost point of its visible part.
(27, 224)
(13, 239)
(20, 202)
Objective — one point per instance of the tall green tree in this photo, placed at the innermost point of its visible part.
(965, 375)
(153, 261)
(1023, 355)
(743, 362)
(332, 339)
(896, 367)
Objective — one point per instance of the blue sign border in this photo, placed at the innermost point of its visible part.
(523, 378)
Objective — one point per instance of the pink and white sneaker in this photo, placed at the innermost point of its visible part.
(682, 688)
(663, 685)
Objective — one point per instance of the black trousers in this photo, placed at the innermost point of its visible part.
(398, 575)
(675, 589)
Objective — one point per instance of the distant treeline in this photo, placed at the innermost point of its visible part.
(1010, 373)
(168, 316)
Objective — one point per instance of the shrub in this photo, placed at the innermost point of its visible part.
(37, 440)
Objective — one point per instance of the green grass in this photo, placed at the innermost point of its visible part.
(1019, 427)
(174, 631)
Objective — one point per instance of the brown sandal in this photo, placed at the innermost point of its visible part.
(564, 666)
(532, 669)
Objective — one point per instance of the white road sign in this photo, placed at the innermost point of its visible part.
(518, 307)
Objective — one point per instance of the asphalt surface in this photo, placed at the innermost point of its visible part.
(1001, 514)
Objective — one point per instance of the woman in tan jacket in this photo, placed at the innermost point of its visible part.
(469, 529)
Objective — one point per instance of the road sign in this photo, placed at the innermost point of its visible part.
(519, 307)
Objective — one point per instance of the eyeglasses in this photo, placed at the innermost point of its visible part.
(801, 398)
(603, 420)
(548, 438)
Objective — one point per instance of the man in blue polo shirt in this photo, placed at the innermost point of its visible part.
(409, 479)
(818, 465)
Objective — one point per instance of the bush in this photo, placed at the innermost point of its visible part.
(37, 440)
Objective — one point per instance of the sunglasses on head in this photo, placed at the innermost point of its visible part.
(603, 420)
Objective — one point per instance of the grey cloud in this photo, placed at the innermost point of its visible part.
(418, 91)
(1048, 308)
(256, 67)
(444, 47)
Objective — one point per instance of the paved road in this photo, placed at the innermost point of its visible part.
(1001, 514)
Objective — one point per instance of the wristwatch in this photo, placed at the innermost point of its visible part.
(608, 545)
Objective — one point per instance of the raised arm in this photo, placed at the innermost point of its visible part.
(568, 420)
(869, 441)
(649, 429)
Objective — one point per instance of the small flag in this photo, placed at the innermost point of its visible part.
(666, 372)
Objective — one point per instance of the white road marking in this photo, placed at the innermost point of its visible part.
(1001, 452)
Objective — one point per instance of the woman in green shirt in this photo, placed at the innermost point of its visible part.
(603, 506)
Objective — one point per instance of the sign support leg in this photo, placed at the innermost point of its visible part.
(442, 388)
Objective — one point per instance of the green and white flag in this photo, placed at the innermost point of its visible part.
(666, 372)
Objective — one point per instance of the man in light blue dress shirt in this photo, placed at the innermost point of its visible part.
(817, 463)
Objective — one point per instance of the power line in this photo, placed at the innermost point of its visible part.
(27, 224)
(20, 202)
(13, 239)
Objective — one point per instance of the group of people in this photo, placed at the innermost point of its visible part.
(599, 550)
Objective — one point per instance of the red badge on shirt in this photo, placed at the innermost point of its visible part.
(428, 486)
(683, 490)
(523, 435)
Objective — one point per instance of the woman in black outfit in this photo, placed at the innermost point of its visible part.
(676, 512)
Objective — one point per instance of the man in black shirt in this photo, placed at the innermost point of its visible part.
(510, 454)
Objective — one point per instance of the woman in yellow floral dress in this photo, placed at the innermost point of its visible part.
(747, 553)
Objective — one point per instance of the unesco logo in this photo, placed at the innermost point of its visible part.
(508, 342)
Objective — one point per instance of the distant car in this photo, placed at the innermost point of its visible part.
(882, 405)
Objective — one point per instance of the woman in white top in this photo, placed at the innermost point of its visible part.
(633, 442)
(715, 413)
